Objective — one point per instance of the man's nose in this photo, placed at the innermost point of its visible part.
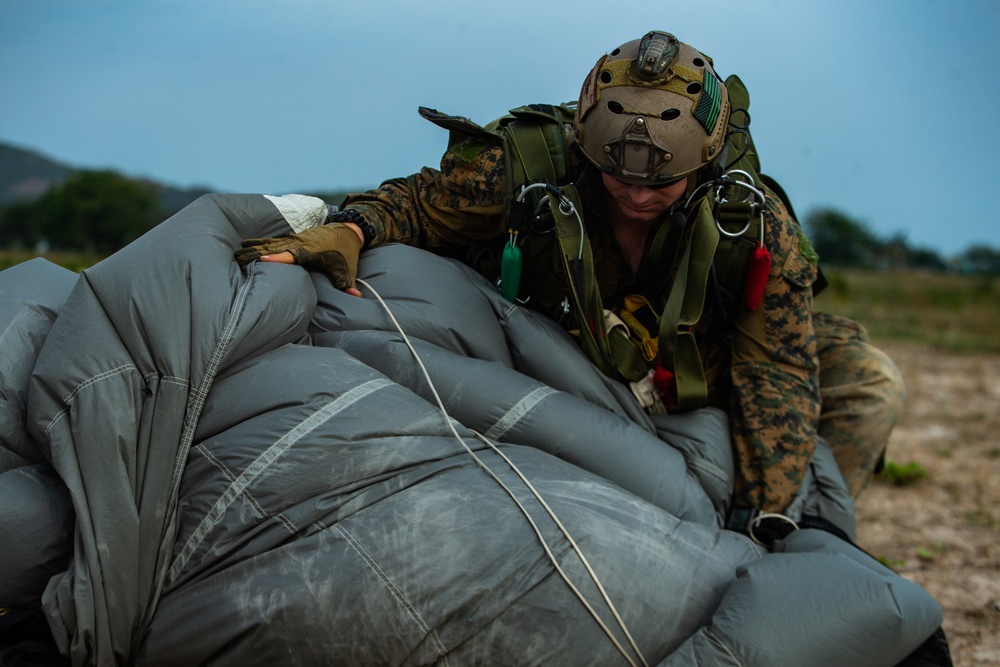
(639, 193)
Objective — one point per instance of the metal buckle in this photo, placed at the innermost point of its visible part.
(758, 522)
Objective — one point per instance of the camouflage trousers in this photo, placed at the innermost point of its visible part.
(862, 395)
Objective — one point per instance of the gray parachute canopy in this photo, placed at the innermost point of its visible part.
(260, 472)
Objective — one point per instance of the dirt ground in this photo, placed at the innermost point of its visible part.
(943, 531)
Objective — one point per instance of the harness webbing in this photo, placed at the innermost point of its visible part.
(578, 263)
(537, 152)
(685, 306)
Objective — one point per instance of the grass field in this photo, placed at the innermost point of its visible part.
(948, 312)
(75, 261)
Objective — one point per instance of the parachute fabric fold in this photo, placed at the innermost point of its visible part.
(261, 474)
(117, 390)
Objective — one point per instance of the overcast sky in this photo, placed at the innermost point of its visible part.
(881, 109)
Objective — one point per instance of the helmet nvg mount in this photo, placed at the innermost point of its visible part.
(652, 111)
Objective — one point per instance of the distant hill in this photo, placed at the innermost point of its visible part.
(26, 175)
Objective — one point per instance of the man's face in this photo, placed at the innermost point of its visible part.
(640, 203)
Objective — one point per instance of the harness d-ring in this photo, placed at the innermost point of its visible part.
(734, 235)
(754, 194)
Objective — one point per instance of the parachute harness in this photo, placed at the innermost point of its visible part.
(511, 259)
(732, 181)
(759, 264)
(566, 207)
(524, 511)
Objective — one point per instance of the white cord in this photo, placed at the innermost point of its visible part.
(538, 497)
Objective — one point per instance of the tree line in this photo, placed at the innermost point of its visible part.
(100, 211)
(842, 241)
(94, 211)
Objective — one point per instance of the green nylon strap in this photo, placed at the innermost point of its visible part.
(625, 356)
(578, 264)
(733, 253)
(531, 147)
(684, 308)
(543, 127)
(535, 145)
(536, 150)
(740, 143)
(677, 343)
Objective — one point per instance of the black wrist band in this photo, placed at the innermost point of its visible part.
(352, 215)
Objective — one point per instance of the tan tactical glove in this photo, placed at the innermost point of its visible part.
(333, 247)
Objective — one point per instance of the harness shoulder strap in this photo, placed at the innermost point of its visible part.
(536, 146)
(684, 308)
(536, 141)
(739, 138)
(739, 96)
(537, 152)
(721, 238)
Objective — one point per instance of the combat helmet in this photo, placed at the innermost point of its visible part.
(652, 111)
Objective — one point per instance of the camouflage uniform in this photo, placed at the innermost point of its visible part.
(765, 373)
(862, 393)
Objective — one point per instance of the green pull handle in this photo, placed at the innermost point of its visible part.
(510, 270)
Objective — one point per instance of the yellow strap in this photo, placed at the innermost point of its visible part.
(645, 339)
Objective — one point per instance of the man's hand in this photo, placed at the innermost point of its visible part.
(333, 247)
